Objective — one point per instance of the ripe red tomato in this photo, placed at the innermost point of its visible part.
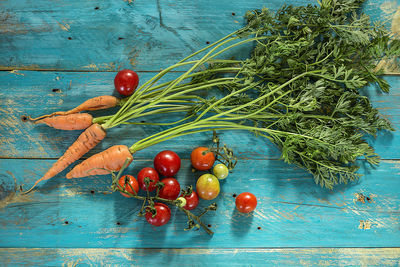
(152, 174)
(246, 202)
(167, 163)
(125, 181)
(192, 201)
(202, 160)
(126, 82)
(171, 189)
(162, 216)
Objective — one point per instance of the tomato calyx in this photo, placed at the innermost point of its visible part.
(152, 210)
(186, 192)
(147, 178)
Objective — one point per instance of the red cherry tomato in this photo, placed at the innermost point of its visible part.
(127, 180)
(152, 174)
(170, 190)
(167, 163)
(246, 202)
(162, 216)
(126, 82)
(192, 201)
(202, 160)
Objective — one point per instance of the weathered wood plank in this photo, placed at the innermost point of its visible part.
(31, 93)
(201, 257)
(292, 210)
(108, 35)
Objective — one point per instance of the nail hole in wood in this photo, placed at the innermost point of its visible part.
(209, 225)
(234, 195)
(121, 38)
(97, 8)
(118, 223)
(56, 90)
(92, 191)
(66, 222)
(69, 38)
(143, 121)
(207, 42)
(24, 118)
(259, 228)
(233, 14)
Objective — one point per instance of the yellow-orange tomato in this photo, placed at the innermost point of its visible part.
(207, 186)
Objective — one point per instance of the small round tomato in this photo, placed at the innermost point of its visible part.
(170, 190)
(167, 163)
(192, 201)
(128, 182)
(246, 202)
(151, 174)
(207, 186)
(126, 82)
(202, 159)
(182, 201)
(161, 217)
(221, 171)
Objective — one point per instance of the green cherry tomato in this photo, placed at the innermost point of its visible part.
(221, 171)
(182, 200)
(207, 186)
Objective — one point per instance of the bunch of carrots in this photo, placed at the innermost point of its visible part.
(283, 92)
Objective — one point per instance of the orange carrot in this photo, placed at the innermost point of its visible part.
(111, 159)
(95, 103)
(77, 121)
(85, 142)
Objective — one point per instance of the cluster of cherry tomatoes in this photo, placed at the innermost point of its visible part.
(166, 163)
(208, 187)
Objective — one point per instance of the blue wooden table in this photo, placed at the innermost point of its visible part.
(54, 54)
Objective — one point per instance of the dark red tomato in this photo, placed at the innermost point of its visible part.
(171, 189)
(152, 174)
(167, 163)
(162, 216)
(202, 159)
(246, 202)
(192, 201)
(128, 182)
(126, 82)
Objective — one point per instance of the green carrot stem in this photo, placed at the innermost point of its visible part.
(209, 46)
(176, 131)
(192, 88)
(160, 123)
(154, 90)
(209, 56)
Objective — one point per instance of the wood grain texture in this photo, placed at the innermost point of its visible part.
(291, 212)
(201, 257)
(145, 35)
(55, 54)
(27, 93)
